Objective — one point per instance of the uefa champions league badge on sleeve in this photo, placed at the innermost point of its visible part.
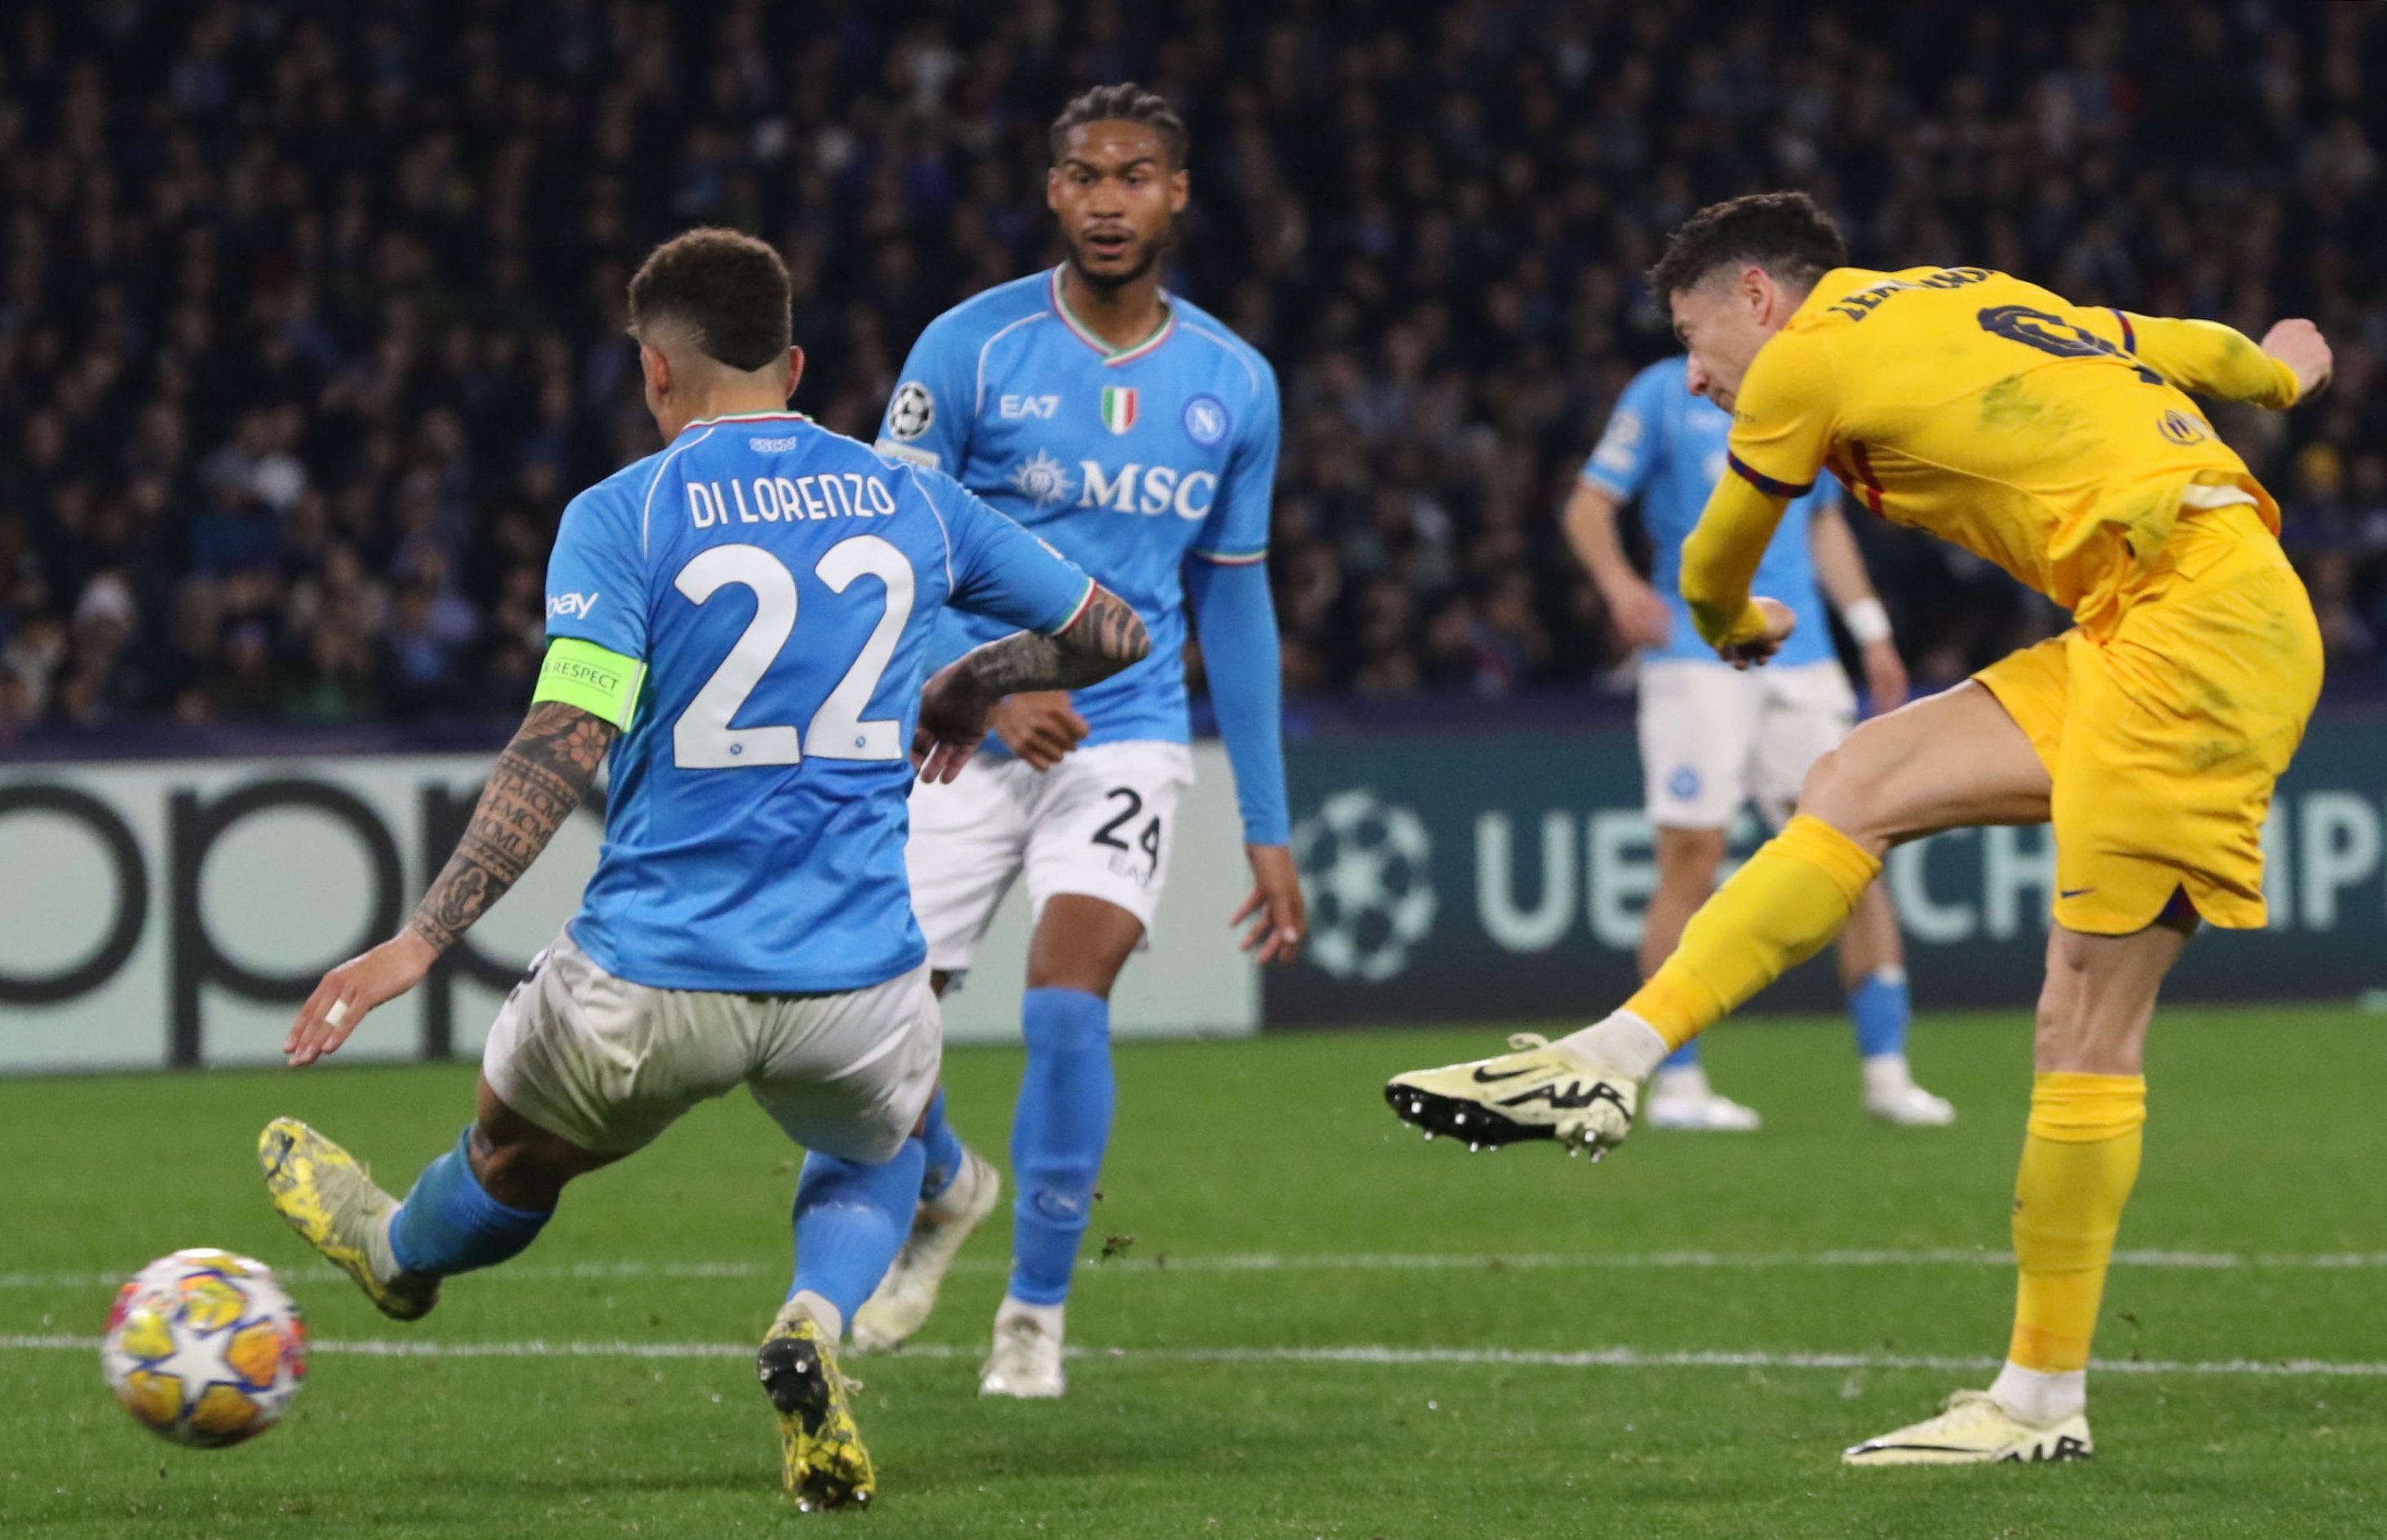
(911, 413)
(1205, 421)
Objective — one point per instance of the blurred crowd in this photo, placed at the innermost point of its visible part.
(311, 318)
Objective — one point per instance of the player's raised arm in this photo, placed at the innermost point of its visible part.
(1105, 636)
(2208, 359)
(539, 780)
(1720, 560)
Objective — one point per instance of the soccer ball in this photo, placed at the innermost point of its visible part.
(204, 1349)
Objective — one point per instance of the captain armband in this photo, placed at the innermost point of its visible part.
(600, 682)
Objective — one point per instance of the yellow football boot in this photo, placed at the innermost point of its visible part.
(823, 1464)
(328, 1198)
(1541, 1091)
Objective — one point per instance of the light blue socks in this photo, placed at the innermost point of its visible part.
(450, 1224)
(850, 1220)
(1057, 1137)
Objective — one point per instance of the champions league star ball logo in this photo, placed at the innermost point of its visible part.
(1368, 868)
(1043, 480)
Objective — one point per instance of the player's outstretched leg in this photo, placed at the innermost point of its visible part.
(1058, 1134)
(850, 1220)
(1778, 910)
(959, 1190)
(328, 1198)
(1681, 1098)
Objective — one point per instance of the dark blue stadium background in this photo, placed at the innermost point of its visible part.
(309, 315)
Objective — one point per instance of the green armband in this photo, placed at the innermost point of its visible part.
(582, 674)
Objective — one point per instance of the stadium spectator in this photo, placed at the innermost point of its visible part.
(300, 300)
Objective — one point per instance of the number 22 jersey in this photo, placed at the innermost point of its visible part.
(779, 582)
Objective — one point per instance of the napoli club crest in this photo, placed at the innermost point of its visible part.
(1205, 421)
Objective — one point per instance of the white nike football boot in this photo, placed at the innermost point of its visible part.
(1025, 1363)
(900, 1303)
(1543, 1089)
(1682, 1099)
(1891, 1096)
(1976, 1428)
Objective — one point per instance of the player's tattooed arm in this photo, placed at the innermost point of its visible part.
(1106, 637)
(538, 781)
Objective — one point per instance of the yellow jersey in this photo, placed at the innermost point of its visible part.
(2054, 439)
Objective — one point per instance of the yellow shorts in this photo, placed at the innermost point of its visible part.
(2165, 735)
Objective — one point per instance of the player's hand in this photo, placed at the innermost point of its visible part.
(1779, 623)
(340, 1003)
(1284, 915)
(1040, 726)
(954, 711)
(2299, 345)
(1884, 673)
(1639, 615)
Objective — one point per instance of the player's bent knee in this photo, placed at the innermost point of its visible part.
(1850, 787)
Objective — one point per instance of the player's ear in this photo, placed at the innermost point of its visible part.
(1757, 288)
(795, 370)
(1181, 185)
(658, 371)
(1053, 188)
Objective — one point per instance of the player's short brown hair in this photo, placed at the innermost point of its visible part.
(1785, 233)
(1126, 102)
(727, 288)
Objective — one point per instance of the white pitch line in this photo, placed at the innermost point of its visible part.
(1360, 1262)
(1598, 1357)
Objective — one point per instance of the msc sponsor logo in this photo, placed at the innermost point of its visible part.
(573, 605)
(772, 446)
(1152, 489)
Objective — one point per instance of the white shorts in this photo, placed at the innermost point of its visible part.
(1099, 823)
(1714, 739)
(608, 1065)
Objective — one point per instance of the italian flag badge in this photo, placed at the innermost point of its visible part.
(1118, 407)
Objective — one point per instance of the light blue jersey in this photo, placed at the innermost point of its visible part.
(1665, 447)
(780, 583)
(1127, 462)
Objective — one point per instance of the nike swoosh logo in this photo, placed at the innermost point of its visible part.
(2075, 892)
(1484, 1077)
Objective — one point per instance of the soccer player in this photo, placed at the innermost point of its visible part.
(1715, 738)
(2059, 441)
(1138, 435)
(742, 620)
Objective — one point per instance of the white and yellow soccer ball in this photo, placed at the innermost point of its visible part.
(204, 1349)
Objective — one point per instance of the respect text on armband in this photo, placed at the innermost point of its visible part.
(773, 500)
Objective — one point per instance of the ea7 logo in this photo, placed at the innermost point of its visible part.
(1029, 406)
(570, 604)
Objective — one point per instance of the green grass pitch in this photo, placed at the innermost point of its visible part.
(1277, 1213)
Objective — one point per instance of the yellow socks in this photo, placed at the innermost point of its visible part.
(1777, 911)
(2079, 1161)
